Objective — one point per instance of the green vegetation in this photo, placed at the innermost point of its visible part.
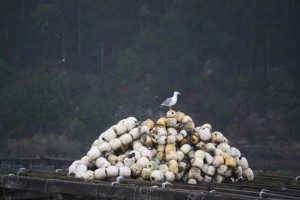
(279, 90)
(6, 74)
(129, 66)
(219, 112)
(237, 82)
(37, 105)
(197, 84)
(93, 116)
(76, 67)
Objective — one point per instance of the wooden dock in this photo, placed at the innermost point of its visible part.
(32, 184)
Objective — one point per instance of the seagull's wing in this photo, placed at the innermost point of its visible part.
(166, 102)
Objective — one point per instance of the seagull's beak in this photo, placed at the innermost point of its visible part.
(179, 93)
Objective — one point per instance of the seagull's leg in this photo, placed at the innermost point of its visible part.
(170, 107)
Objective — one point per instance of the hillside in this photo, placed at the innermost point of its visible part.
(71, 69)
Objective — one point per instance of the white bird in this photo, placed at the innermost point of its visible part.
(171, 101)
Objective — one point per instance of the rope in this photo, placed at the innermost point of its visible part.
(3, 188)
(139, 193)
(97, 191)
(148, 193)
(46, 187)
(108, 193)
(134, 192)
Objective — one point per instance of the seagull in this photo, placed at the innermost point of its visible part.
(170, 101)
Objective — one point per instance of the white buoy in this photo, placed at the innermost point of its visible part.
(126, 138)
(104, 147)
(112, 171)
(101, 162)
(109, 134)
(156, 176)
(100, 173)
(186, 148)
(248, 174)
(170, 176)
(204, 134)
(143, 161)
(244, 163)
(197, 162)
(115, 144)
(94, 153)
(135, 133)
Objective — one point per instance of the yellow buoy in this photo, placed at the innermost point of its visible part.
(161, 121)
(170, 148)
(189, 126)
(194, 139)
(160, 155)
(230, 162)
(161, 147)
(146, 139)
(171, 156)
(173, 166)
(171, 122)
(224, 155)
(183, 141)
(179, 116)
(124, 148)
(148, 123)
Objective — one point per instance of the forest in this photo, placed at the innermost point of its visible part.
(74, 67)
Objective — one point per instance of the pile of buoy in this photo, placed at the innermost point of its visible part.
(172, 149)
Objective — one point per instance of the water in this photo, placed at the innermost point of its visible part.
(33, 164)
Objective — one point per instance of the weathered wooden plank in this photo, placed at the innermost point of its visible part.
(18, 195)
(139, 189)
(101, 190)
